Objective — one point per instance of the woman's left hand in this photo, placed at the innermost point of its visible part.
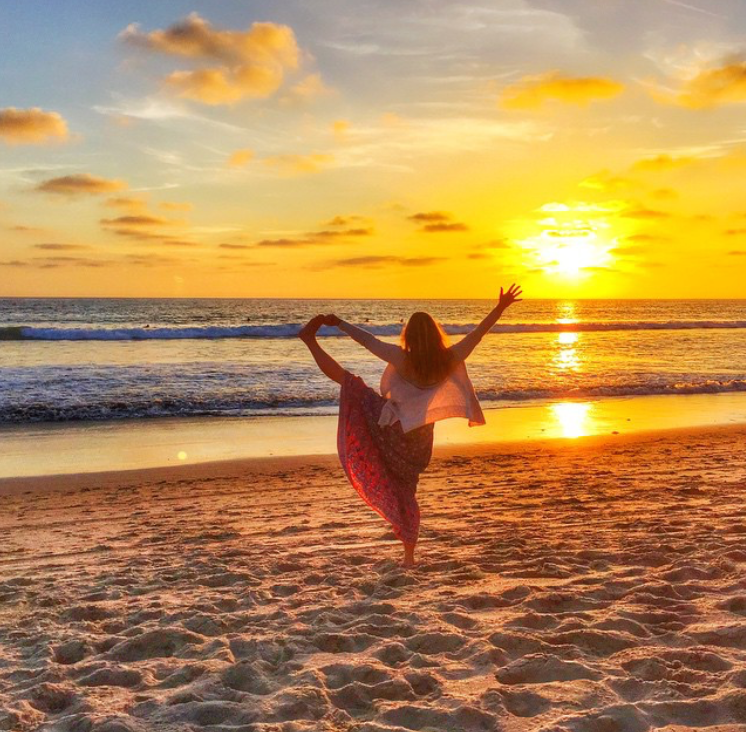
(508, 298)
(332, 320)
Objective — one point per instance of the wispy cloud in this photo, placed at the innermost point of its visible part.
(80, 184)
(531, 92)
(437, 222)
(694, 8)
(60, 247)
(703, 84)
(300, 164)
(383, 260)
(240, 158)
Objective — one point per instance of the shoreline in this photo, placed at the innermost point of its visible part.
(42, 450)
(255, 467)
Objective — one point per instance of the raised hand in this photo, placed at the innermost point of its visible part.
(509, 297)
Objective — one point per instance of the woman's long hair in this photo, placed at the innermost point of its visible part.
(426, 346)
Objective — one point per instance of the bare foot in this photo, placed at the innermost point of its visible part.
(308, 331)
(408, 556)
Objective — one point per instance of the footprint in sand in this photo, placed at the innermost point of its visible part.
(735, 605)
(112, 676)
(393, 654)
(438, 642)
(540, 668)
(71, 652)
(159, 643)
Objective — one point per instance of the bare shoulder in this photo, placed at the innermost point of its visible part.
(398, 358)
(457, 351)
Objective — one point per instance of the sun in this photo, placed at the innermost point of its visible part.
(567, 254)
(574, 257)
(573, 242)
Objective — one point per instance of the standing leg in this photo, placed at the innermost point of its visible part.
(408, 555)
(323, 360)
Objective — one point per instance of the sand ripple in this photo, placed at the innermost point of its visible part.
(575, 588)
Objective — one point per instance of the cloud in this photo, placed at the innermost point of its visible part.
(647, 238)
(137, 220)
(435, 222)
(444, 227)
(664, 194)
(283, 243)
(239, 158)
(252, 63)
(341, 229)
(14, 263)
(606, 181)
(175, 206)
(382, 260)
(345, 220)
(531, 92)
(331, 234)
(430, 217)
(54, 247)
(128, 203)
(341, 128)
(737, 253)
(661, 163)
(315, 238)
(645, 213)
(300, 164)
(735, 232)
(167, 241)
(81, 183)
(631, 250)
(21, 229)
(65, 261)
(143, 226)
(420, 261)
(307, 90)
(234, 246)
(494, 244)
(31, 126)
(598, 269)
(713, 87)
(152, 260)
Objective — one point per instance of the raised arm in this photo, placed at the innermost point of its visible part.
(468, 343)
(385, 351)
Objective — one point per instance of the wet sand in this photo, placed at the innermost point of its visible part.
(595, 585)
(71, 447)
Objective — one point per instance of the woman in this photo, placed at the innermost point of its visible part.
(385, 440)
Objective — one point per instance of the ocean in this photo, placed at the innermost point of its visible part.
(72, 360)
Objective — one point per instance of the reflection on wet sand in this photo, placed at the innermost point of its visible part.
(574, 419)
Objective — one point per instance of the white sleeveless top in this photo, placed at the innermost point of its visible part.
(416, 406)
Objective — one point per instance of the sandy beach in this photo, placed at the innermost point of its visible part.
(588, 585)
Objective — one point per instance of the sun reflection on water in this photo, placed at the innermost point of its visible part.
(567, 357)
(566, 312)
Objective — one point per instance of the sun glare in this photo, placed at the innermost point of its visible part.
(573, 242)
(572, 418)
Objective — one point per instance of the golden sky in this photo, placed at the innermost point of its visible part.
(388, 149)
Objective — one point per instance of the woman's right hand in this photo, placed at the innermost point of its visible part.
(332, 320)
(509, 297)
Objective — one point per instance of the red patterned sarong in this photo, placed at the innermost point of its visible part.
(382, 463)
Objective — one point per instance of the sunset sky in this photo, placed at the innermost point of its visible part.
(349, 148)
